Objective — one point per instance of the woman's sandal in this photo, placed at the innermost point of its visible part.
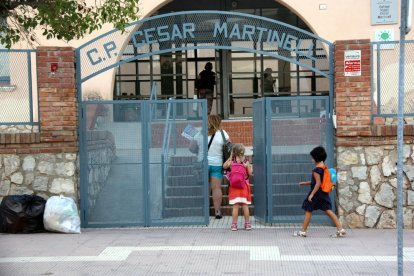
(218, 214)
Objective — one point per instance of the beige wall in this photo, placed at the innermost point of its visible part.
(342, 19)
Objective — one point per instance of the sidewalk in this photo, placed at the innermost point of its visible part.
(205, 251)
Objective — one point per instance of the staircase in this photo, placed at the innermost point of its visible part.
(184, 190)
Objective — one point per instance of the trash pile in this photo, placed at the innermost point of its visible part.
(23, 214)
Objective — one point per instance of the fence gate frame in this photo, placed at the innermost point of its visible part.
(199, 29)
(265, 186)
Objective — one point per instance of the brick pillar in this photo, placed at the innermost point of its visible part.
(353, 94)
(57, 98)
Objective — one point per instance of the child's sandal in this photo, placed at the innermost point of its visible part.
(233, 227)
(300, 233)
(341, 233)
(247, 226)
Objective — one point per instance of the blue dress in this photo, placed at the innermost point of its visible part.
(321, 200)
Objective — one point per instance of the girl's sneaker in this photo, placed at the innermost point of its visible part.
(247, 226)
(300, 233)
(233, 227)
(340, 233)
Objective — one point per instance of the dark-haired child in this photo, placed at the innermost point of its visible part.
(317, 199)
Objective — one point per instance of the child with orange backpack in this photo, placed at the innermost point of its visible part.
(239, 189)
(318, 197)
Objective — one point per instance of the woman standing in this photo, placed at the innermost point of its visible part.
(215, 161)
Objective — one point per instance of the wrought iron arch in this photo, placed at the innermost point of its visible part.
(205, 30)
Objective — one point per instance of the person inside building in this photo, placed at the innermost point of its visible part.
(205, 85)
(268, 82)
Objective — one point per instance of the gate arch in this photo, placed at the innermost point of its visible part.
(205, 30)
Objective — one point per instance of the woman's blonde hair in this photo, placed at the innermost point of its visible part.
(214, 122)
(238, 150)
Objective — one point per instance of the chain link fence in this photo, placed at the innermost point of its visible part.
(385, 80)
(18, 92)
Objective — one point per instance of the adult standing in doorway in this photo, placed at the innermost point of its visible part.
(215, 161)
(269, 88)
(268, 82)
(205, 85)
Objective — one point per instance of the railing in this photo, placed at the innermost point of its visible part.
(18, 93)
(385, 78)
(153, 96)
(165, 149)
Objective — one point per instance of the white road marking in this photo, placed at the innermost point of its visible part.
(257, 253)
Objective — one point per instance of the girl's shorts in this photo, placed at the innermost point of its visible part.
(215, 171)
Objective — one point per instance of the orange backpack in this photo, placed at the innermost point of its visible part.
(326, 182)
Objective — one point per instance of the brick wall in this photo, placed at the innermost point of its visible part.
(353, 94)
(353, 103)
(367, 151)
(239, 131)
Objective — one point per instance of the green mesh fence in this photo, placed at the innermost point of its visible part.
(385, 76)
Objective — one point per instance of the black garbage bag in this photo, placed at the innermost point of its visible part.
(22, 214)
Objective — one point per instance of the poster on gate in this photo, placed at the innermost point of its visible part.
(352, 60)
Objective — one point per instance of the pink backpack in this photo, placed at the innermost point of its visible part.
(237, 175)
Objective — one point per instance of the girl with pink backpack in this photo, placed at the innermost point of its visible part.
(239, 170)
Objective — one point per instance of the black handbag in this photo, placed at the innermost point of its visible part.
(227, 147)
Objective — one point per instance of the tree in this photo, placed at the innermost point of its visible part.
(61, 19)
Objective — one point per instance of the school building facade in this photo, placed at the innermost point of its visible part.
(335, 69)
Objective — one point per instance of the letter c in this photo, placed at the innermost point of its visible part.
(91, 59)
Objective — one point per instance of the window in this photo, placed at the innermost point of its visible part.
(4, 66)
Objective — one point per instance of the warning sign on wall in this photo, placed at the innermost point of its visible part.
(352, 63)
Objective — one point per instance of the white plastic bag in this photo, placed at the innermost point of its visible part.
(61, 215)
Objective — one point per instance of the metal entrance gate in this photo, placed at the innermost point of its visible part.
(285, 130)
(125, 164)
(136, 169)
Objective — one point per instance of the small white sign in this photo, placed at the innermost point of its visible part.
(384, 12)
(352, 60)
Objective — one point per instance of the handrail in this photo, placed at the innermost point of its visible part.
(165, 148)
(153, 96)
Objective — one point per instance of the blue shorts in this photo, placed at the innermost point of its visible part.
(215, 171)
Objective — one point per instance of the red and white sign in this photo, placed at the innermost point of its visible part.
(352, 63)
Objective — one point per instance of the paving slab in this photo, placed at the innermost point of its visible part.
(267, 250)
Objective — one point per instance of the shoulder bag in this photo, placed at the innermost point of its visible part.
(227, 147)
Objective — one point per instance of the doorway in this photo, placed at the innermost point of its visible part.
(240, 74)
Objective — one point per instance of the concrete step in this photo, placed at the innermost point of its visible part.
(183, 202)
(183, 181)
(183, 212)
(182, 170)
(186, 190)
